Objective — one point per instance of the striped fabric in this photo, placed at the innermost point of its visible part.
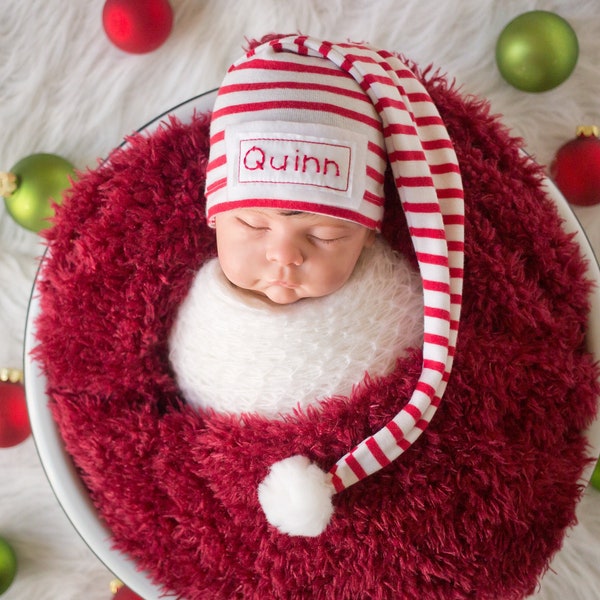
(427, 176)
(269, 100)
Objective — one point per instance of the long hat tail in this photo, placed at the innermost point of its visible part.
(427, 176)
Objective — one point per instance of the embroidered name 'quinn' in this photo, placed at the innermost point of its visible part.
(290, 160)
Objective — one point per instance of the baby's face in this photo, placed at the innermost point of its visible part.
(286, 257)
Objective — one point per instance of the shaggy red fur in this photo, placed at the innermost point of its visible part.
(475, 509)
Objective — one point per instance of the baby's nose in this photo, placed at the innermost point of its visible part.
(284, 252)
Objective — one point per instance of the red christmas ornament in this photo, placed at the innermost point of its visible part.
(14, 420)
(137, 26)
(576, 167)
(124, 593)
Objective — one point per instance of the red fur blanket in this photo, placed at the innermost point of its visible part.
(475, 509)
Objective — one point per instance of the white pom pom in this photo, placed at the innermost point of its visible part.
(296, 497)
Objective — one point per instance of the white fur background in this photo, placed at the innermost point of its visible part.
(65, 89)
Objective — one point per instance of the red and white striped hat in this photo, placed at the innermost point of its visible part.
(295, 132)
(309, 125)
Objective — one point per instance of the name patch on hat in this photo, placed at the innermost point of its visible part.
(285, 160)
(296, 161)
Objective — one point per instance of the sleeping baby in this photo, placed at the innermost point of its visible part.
(297, 308)
(305, 299)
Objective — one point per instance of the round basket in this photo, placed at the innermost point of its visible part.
(166, 497)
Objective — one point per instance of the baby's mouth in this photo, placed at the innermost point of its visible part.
(284, 283)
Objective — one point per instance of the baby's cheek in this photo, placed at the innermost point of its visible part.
(331, 281)
(234, 267)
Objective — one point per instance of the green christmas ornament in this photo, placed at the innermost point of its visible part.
(595, 479)
(8, 565)
(537, 51)
(32, 185)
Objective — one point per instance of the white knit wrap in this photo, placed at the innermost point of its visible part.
(233, 352)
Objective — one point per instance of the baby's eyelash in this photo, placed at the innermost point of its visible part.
(256, 228)
(325, 240)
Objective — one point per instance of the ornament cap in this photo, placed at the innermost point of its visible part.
(8, 183)
(11, 375)
(587, 131)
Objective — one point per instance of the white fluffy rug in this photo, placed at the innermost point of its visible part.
(65, 89)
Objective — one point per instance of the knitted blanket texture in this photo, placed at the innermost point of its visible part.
(475, 509)
(237, 354)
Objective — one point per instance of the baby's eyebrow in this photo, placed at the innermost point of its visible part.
(340, 224)
(291, 213)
